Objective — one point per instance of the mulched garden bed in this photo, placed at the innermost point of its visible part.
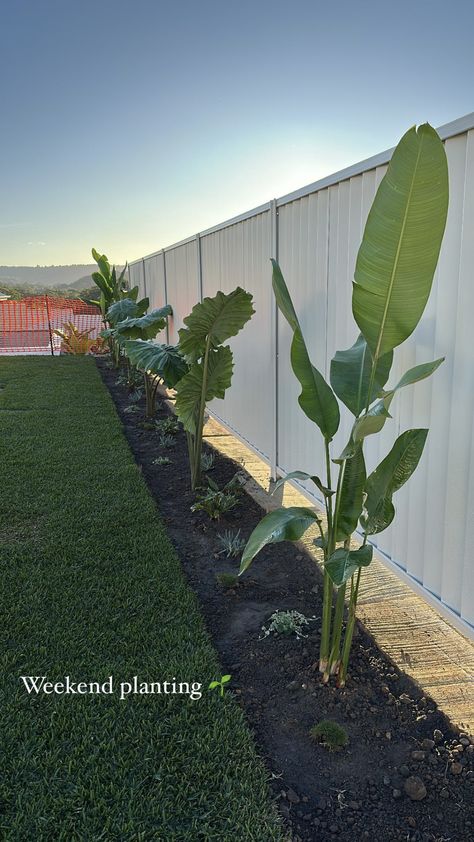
(401, 747)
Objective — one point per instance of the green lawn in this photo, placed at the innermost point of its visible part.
(91, 587)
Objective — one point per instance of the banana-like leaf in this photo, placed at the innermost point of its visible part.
(351, 374)
(103, 264)
(189, 388)
(388, 477)
(281, 525)
(132, 293)
(215, 320)
(351, 496)
(342, 564)
(145, 327)
(101, 282)
(317, 400)
(374, 419)
(303, 475)
(126, 308)
(166, 361)
(401, 243)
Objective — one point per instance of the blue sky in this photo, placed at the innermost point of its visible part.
(131, 125)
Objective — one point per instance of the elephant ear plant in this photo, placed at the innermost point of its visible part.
(126, 308)
(392, 282)
(208, 326)
(145, 327)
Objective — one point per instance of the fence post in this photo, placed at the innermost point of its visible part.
(165, 290)
(199, 265)
(144, 278)
(274, 341)
(49, 326)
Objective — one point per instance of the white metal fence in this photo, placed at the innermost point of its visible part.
(315, 234)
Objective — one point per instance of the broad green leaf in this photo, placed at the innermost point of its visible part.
(131, 293)
(101, 282)
(317, 400)
(351, 373)
(216, 319)
(126, 308)
(401, 243)
(414, 375)
(351, 496)
(166, 361)
(103, 264)
(283, 298)
(374, 419)
(388, 477)
(304, 476)
(189, 388)
(342, 564)
(145, 327)
(281, 525)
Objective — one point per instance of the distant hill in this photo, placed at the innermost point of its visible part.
(77, 276)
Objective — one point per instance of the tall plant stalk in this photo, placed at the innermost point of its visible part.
(392, 282)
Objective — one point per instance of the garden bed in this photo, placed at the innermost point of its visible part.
(399, 741)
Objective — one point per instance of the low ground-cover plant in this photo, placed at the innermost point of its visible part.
(168, 426)
(165, 440)
(231, 542)
(330, 734)
(207, 462)
(286, 623)
(162, 460)
(217, 501)
(227, 580)
(393, 277)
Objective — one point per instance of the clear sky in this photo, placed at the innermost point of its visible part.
(131, 125)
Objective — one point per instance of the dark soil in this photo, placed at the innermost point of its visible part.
(360, 792)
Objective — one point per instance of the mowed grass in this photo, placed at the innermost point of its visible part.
(92, 587)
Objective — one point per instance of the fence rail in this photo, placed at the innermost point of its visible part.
(315, 233)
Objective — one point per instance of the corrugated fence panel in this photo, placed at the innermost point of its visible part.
(302, 252)
(182, 284)
(155, 280)
(239, 256)
(137, 278)
(318, 231)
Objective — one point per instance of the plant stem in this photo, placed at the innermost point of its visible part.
(197, 442)
(327, 584)
(349, 630)
(334, 656)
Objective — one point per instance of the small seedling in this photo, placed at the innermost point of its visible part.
(227, 580)
(146, 425)
(167, 426)
(221, 684)
(131, 409)
(231, 542)
(330, 734)
(161, 460)
(216, 501)
(165, 440)
(286, 623)
(207, 462)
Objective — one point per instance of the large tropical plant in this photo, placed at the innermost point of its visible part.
(392, 282)
(210, 363)
(111, 287)
(142, 328)
(126, 308)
